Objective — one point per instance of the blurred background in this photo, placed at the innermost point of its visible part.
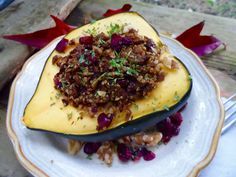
(225, 8)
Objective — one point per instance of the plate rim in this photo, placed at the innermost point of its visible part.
(34, 169)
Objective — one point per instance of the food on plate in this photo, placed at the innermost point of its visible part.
(107, 80)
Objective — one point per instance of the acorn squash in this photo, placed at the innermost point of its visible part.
(46, 112)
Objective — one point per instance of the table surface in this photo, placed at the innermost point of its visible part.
(222, 64)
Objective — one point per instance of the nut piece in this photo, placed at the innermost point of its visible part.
(148, 139)
(73, 147)
(105, 152)
(126, 140)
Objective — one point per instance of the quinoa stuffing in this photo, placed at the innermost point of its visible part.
(110, 71)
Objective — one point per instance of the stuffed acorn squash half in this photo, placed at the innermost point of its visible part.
(108, 79)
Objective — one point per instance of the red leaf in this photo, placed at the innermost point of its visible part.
(41, 38)
(125, 8)
(201, 45)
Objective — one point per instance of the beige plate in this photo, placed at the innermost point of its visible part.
(45, 155)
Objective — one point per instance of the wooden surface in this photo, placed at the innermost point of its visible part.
(24, 16)
(222, 64)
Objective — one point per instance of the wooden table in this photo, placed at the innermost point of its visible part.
(222, 64)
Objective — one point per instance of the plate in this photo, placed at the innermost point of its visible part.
(44, 154)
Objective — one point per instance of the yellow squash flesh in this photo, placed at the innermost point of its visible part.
(45, 110)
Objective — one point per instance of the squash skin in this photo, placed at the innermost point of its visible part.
(126, 128)
(129, 127)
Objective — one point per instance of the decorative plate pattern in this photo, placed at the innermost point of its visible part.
(45, 154)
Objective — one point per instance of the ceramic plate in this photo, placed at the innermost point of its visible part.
(45, 154)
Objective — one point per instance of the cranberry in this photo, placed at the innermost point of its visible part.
(147, 155)
(116, 42)
(88, 46)
(57, 82)
(61, 46)
(127, 41)
(86, 40)
(92, 59)
(94, 109)
(90, 148)
(170, 126)
(123, 83)
(124, 152)
(104, 120)
(176, 119)
(131, 87)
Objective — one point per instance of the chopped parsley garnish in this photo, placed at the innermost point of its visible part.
(101, 41)
(176, 96)
(79, 117)
(52, 104)
(89, 157)
(117, 62)
(58, 95)
(69, 116)
(115, 28)
(81, 59)
(118, 72)
(93, 53)
(64, 84)
(92, 31)
(71, 65)
(166, 107)
(131, 71)
(136, 106)
(189, 77)
(93, 21)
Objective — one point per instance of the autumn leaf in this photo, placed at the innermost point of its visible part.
(41, 38)
(125, 8)
(201, 45)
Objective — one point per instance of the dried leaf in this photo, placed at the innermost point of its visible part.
(201, 45)
(41, 38)
(125, 8)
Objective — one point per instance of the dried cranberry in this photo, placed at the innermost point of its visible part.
(88, 46)
(170, 126)
(94, 109)
(57, 82)
(92, 59)
(124, 152)
(86, 40)
(116, 42)
(147, 155)
(175, 131)
(176, 119)
(61, 46)
(127, 41)
(90, 148)
(131, 87)
(123, 83)
(104, 120)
